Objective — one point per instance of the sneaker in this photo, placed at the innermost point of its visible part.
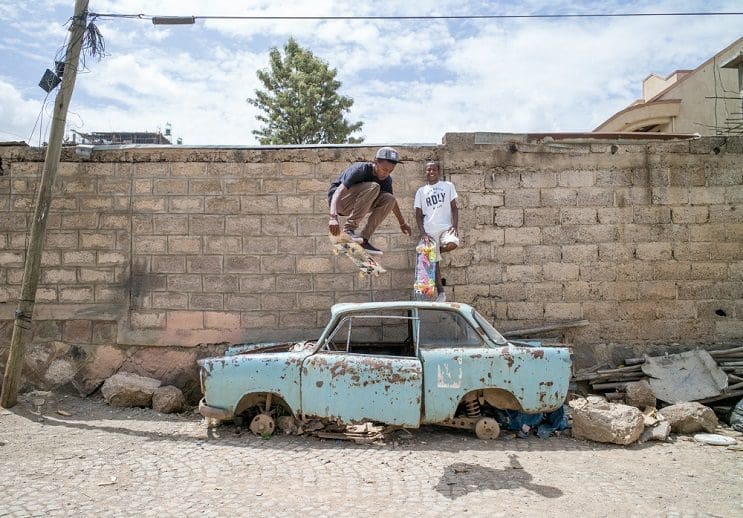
(370, 249)
(441, 296)
(353, 237)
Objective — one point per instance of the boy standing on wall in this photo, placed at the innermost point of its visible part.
(437, 215)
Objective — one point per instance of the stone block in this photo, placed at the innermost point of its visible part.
(522, 198)
(563, 311)
(525, 311)
(188, 169)
(170, 224)
(209, 224)
(222, 204)
(509, 217)
(153, 204)
(222, 244)
(242, 264)
(170, 186)
(77, 331)
(242, 301)
(147, 319)
(188, 282)
(178, 245)
(185, 204)
(522, 236)
(78, 294)
(221, 320)
(540, 217)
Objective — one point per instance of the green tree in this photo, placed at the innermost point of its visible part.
(300, 103)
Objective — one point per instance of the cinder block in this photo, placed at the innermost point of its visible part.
(184, 319)
(77, 331)
(148, 320)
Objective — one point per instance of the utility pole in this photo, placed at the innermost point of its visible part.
(25, 309)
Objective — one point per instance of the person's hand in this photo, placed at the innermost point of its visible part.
(405, 228)
(333, 226)
(426, 239)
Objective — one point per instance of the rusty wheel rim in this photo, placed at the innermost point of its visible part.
(262, 424)
(487, 428)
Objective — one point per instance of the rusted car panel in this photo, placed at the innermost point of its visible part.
(226, 380)
(404, 363)
(356, 388)
(451, 373)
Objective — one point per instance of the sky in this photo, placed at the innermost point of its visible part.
(412, 81)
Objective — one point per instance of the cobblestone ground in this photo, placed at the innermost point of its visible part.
(103, 461)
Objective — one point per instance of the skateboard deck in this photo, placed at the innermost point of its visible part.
(425, 272)
(356, 253)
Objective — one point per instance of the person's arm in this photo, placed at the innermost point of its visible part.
(421, 229)
(404, 227)
(454, 216)
(333, 225)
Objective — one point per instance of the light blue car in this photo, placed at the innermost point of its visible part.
(400, 363)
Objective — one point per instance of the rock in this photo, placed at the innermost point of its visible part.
(168, 400)
(714, 439)
(126, 389)
(639, 394)
(99, 366)
(598, 420)
(690, 417)
(658, 432)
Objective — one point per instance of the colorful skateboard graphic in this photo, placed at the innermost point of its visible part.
(425, 272)
(354, 251)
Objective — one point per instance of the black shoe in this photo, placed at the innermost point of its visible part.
(370, 249)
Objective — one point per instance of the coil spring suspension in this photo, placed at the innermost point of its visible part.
(472, 407)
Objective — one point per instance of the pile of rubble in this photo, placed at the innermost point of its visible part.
(648, 398)
(126, 389)
(698, 375)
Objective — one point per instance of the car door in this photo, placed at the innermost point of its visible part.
(354, 387)
(456, 360)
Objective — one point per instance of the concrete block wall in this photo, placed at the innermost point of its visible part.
(643, 239)
(179, 247)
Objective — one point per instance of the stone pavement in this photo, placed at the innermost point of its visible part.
(103, 461)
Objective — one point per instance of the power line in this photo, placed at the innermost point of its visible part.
(415, 17)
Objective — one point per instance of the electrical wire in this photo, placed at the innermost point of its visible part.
(142, 16)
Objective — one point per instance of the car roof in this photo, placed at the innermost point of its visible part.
(395, 304)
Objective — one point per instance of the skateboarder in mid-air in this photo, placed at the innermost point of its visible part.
(437, 215)
(365, 188)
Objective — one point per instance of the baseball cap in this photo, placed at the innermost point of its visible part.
(389, 154)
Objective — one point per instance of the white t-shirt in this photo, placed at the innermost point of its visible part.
(435, 203)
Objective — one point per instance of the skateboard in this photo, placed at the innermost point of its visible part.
(425, 272)
(360, 257)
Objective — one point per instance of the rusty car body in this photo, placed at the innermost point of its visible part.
(404, 363)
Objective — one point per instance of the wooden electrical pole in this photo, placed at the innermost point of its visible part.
(24, 312)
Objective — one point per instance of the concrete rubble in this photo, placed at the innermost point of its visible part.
(596, 419)
(126, 389)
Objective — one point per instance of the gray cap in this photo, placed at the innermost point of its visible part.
(389, 154)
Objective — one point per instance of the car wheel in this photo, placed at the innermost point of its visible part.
(487, 428)
(262, 424)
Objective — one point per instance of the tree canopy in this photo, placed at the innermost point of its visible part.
(300, 103)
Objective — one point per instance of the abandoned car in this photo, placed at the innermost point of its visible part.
(399, 363)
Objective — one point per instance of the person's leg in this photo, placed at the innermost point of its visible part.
(380, 208)
(356, 202)
(436, 238)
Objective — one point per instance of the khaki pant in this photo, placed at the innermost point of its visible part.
(362, 199)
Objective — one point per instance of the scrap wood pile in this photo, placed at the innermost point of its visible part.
(699, 375)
